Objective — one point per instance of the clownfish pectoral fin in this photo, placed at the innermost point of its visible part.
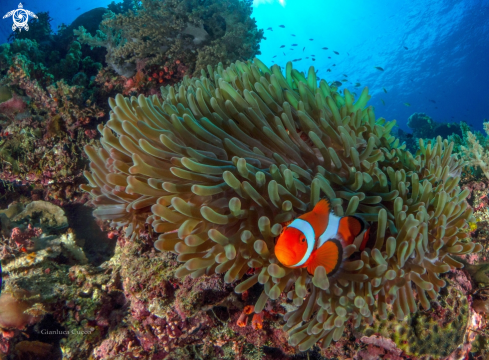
(329, 255)
(323, 207)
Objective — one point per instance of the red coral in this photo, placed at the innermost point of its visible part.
(23, 238)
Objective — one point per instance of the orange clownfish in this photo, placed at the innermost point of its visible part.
(317, 239)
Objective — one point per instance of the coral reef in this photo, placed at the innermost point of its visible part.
(132, 305)
(161, 32)
(424, 127)
(53, 90)
(475, 153)
(436, 332)
(225, 160)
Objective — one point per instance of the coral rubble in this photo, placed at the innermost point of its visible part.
(224, 161)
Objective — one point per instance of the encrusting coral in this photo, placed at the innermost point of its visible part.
(437, 332)
(225, 161)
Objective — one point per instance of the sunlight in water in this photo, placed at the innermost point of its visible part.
(259, 2)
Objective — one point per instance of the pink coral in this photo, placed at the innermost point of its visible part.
(382, 342)
(14, 105)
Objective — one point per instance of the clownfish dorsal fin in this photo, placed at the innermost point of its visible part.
(329, 255)
(323, 207)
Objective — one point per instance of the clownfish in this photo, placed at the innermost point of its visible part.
(317, 239)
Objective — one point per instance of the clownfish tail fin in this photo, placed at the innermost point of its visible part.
(365, 239)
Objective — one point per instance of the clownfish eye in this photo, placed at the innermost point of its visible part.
(303, 238)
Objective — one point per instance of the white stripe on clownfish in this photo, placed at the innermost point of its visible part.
(306, 228)
(326, 234)
(331, 231)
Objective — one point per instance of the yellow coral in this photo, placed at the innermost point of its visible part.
(225, 159)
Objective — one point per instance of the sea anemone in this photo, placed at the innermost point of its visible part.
(226, 160)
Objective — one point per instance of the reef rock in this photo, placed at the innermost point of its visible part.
(45, 214)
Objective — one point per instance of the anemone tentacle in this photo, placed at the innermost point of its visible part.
(223, 161)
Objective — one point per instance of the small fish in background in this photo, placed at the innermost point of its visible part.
(282, 46)
(405, 47)
(407, 104)
(270, 29)
(313, 59)
(379, 68)
(313, 55)
(274, 56)
(317, 238)
(329, 57)
(292, 35)
(304, 48)
(433, 101)
(344, 80)
(311, 39)
(385, 90)
(325, 48)
(284, 54)
(383, 102)
(348, 54)
(282, 26)
(329, 70)
(334, 64)
(337, 83)
(78, 9)
(294, 45)
(345, 75)
(336, 52)
(358, 84)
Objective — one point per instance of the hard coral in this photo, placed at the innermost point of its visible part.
(477, 155)
(197, 33)
(223, 161)
(437, 332)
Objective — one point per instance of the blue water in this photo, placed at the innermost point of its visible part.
(447, 59)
